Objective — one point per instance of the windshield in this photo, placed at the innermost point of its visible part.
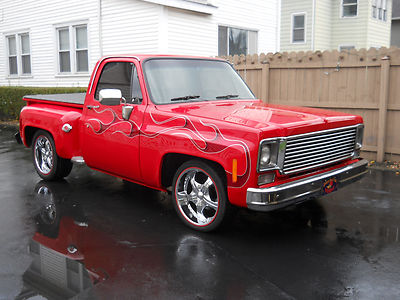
(184, 80)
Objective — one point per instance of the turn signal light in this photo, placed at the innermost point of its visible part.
(234, 170)
(266, 178)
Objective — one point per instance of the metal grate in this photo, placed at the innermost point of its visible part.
(312, 150)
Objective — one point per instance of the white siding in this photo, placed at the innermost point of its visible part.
(379, 31)
(350, 31)
(39, 18)
(127, 27)
(130, 26)
(290, 7)
(257, 15)
(190, 33)
(323, 24)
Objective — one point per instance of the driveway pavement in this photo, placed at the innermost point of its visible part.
(94, 236)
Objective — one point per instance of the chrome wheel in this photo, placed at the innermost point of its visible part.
(43, 155)
(49, 210)
(197, 196)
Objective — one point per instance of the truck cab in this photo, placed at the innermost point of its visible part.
(190, 125)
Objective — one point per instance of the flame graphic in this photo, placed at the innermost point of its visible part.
(215, 143)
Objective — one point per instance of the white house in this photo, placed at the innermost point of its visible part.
(57, 43)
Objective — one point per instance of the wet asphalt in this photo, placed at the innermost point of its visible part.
(93, 236)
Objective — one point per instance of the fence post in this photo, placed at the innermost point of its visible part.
(265, 83)
(383, 107)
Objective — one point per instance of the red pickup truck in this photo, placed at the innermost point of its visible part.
(191, 125)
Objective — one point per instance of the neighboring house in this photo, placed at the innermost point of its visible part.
(57, 43)
(395, 32)
(334, 24)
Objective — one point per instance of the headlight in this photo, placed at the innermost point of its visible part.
(271, 154)
(359, 140)
(265, 155)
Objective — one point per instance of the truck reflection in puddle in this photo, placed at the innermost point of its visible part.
(59, 247)
(71, 253)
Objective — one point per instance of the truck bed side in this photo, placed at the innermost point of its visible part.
(70, 100)
(51, 113)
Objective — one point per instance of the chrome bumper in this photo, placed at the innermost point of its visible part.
(271, 198)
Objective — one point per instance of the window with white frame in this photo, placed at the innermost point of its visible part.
(349, 8)
(346, 47)
(379, 9)
(19, 54)
(298, 28)
(73, 56)
(238, 41)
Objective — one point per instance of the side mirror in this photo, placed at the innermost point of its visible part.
(126, 111)
(110, 97)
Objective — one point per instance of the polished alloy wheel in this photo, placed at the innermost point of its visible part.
(49, 210)
(197, 196)
(43, 155)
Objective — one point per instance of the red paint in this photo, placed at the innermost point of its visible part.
(100, 253)
(134, 149)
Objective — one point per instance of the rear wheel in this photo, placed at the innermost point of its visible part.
(199, 195)
(47, 163)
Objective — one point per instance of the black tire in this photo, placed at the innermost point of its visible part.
(207, 189)
(49, 213)
(47, 163)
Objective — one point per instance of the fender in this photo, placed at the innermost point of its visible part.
(52, 119)
(203, 138)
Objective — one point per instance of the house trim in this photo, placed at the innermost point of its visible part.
(72, 40)
(17, 34)
(346, 45)
(240, 28)
(292, 15)
(348, 17)
(206, 8)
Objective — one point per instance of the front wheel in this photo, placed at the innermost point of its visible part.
(199, 196)
(47, 163)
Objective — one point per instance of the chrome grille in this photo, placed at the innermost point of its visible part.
(312, 150)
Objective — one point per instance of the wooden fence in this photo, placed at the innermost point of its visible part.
(365, 83)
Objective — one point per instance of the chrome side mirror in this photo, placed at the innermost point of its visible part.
(110, 97)
(126, 111)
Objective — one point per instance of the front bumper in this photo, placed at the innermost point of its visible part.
(271, 198)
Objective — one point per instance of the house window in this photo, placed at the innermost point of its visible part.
(298, 28)
(19, 54)
(379, 9)
(73, 54)
(349, 8)
(238, 41)
(346, 48)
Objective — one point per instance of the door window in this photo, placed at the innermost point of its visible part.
(116, 75)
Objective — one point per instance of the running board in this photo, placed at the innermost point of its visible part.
(78, 160)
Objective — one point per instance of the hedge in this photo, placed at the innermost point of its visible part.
(11, 98)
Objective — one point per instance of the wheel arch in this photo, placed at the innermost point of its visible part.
(29, 133)
(172, 161)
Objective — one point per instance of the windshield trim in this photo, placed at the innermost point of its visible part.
(191, 100)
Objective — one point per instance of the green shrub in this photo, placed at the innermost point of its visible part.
(11, 98)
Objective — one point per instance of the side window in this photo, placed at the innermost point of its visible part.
(136, 91)
(116, 75)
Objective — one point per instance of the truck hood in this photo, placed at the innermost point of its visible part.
(279, 119)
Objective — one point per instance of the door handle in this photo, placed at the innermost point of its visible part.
(92, 106)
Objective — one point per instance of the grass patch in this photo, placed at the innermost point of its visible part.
(11, 101)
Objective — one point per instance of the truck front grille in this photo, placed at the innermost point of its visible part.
(312, 150)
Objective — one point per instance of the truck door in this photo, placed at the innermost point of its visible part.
(109, 142)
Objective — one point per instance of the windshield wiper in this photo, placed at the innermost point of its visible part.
(227, 96)
(184, 98)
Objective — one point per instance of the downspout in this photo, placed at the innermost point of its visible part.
(99, 14)
(278, 26)
(312, 26)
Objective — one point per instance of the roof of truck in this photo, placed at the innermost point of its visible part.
(147, 56)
